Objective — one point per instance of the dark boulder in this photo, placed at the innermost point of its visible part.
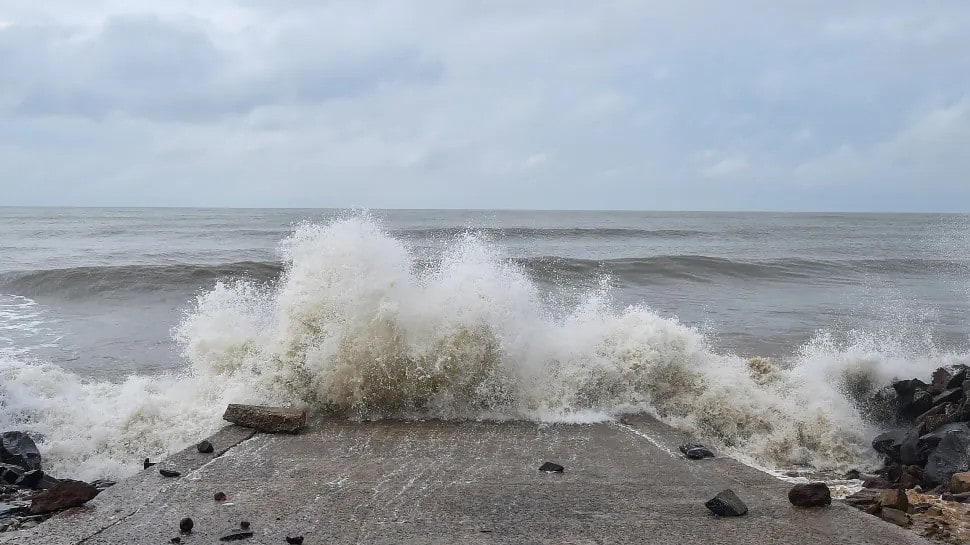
(220, 496)
(921, 402)
(909, 451)
(63, 495)
(186, 525)
(939, 380)
(31, 479)
(929, 441)
(169, 473)
(550, 467)
(810, 495)
(17, 448)
(696, 451)
(952, 455)
(727, 504)
(10, 474)
(906, 388)
(948, 396)
(205, 447)
(959, 375)
(294, 540)
(912, 477)
(889, 443)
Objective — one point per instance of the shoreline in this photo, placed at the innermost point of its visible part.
(439, 482)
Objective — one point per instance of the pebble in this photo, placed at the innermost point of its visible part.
(295, 540)
(205, 447)
(244, 525)
(169, 473)
(219, 496)
(148, 463)
(186, 525)
(550, 467)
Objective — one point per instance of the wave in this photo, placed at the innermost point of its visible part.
(358, 326)
(492, 233)
(85, 281)
(81, 281)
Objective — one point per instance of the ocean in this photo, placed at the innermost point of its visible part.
(125, 332)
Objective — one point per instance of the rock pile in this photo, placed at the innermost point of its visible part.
(28, 496)
(932, 440)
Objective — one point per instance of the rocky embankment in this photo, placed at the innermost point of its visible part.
(925, 479)
(28, 496)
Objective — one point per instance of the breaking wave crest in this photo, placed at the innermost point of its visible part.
(355, 326)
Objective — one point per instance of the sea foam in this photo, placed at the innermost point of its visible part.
(359, 326)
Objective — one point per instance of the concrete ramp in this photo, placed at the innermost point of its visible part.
(455, 483)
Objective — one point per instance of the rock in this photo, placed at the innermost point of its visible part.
(894, 499)
(147, 463)
(877, 483)
(959, 376)
(294, 540)
(17, 448)
(31, 479)
(169, 473)
(810, 495)
(103, 484)
(895, 516)
(852, 475)
(952, 455)
(236, 535)
(550, 467)
(921, 402)
(244, 525)
(266, 419)
(960, 498)
(219, 496)
(696, 451)
(186, 525)
(939, 380)
(727, 504)
(176, 539)
(960, 483)
(205, 447)
(929, 441)
(699, 453)
(948, 396)
(906, 388)
(63, 495)
(912, 477)
(11, 474)
(909, 451)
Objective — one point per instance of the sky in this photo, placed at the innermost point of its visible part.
(688, 105)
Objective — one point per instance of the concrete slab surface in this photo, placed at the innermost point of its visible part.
(343, 482)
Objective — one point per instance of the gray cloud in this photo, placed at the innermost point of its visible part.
(696, 105)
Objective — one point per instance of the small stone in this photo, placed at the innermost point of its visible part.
(727, 504)
(176, 539)
(298, 540)
(696, 451)
(810, 495)
(148, 463)
(894, 498)
(960, 498)
(895, 516)
(877, 482)
(219, 496)
(853, 474)
(236, 535)
(550, 467)
(186, 525)
(169, 473)
(205, 447)
(960, 482)
(63, 495)
(266, 419)
(244, 525)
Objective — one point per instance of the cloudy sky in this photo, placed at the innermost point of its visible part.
(688, 105)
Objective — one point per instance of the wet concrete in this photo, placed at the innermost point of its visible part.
(455, 483)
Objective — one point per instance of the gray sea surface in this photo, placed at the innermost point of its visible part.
(98, 291)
